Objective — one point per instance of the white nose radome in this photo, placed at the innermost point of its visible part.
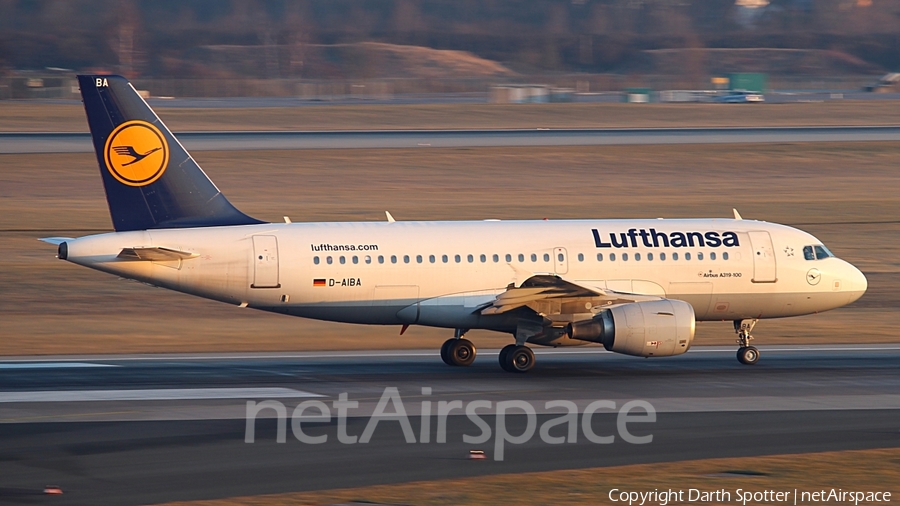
(858, 283)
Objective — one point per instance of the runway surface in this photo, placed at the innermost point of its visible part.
(12, 143)
(143, 429)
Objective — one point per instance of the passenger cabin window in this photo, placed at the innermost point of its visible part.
(700, 256)
(483, 258)
(393, 259)
(355, 259)
(381, 259)
(546, 257)
(675, 256)
(431, 258)
(457, 258)
(662, 257)
(560, 257)
(329, 260)
(368, 259)
(612, 257)
(712, 255)
(599, 257)
(687, 256)
(521, 257)
(725, 255)
(444, 258)
(637, 257)
(581, 257)
(316, 260)
(624, 257)
(418, 259)
(649, 257)
(534, 257)
(343, 260)
(508, 257)
(406, 259)
(496, 258)
(470, 258)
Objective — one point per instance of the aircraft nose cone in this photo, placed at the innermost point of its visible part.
(858, 284)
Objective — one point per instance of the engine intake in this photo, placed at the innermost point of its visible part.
(659, 328)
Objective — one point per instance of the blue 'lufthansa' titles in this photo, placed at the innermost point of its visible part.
(654, 239)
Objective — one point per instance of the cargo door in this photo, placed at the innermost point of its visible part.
(560, 261)
(763, 257)
(265, 262)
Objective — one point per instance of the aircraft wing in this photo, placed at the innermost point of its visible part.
(551, 294)
(155, 254)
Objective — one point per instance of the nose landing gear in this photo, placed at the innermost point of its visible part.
(746, 354)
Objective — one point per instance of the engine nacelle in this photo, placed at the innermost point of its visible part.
(659, 328)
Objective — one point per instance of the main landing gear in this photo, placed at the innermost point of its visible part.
(516, 358)
(746, 354)
(458, 351)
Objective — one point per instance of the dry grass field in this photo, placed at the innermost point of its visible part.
(846, 194)
(30, 117)
(868, 470)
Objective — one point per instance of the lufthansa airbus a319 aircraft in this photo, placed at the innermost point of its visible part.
(635, 286)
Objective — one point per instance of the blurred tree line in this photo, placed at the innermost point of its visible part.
(162, 37)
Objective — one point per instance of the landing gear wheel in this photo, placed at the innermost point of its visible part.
(461, 352)
(747, 355)
(505, 362)
(517, 359)
(445, 351)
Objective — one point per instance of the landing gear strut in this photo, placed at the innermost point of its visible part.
(458, 351)
(746, 354)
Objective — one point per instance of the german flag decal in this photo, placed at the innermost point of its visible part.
(318, 282)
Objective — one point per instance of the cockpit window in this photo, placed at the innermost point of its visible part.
(822, 252)
(817, 252)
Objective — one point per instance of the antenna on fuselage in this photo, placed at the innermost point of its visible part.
(389, 217)
(737, 215)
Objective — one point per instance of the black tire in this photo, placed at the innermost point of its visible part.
(445, 351)
(461, 352)
(748, 355)
(521, 359)
(505, 362)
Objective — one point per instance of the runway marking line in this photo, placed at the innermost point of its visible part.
(168, 394)
(401, 354)
(52, 365)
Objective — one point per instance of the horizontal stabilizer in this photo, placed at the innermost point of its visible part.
(56, 240)
(154, 254)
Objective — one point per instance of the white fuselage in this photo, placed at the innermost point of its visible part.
(441, 273)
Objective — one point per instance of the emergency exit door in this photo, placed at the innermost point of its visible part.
(265, 262)
(560, 261)
(763, 257)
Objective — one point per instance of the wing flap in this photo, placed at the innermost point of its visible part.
(548, 290)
